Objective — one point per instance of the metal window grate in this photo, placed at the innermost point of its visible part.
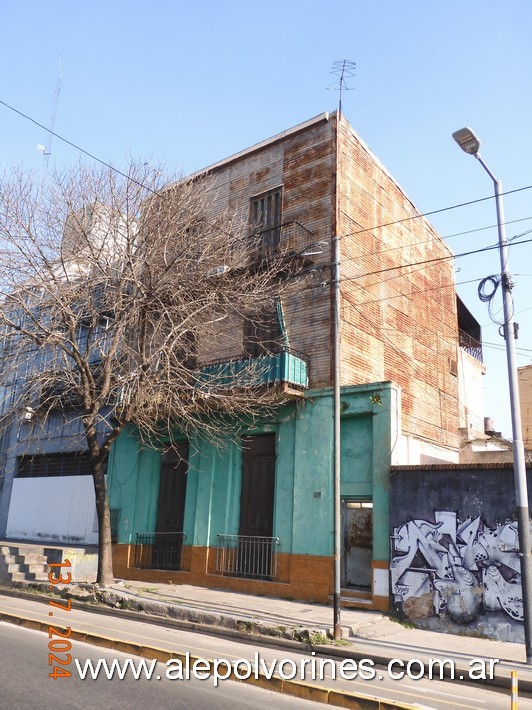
(470, 345)
(247, 556)
(42, 465)
(159, 550)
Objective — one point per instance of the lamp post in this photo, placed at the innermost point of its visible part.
(470, 144)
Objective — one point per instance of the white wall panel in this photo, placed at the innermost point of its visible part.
(53, 509)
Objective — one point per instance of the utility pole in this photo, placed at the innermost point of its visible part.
(470, 144)
(336, 439)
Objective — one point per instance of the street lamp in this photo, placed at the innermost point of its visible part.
(470, 144)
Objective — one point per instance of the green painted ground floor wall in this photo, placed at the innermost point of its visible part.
(303, 498)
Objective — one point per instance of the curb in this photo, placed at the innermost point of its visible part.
(239, 631)
(168, 622)
(295, 688)
(175, 613)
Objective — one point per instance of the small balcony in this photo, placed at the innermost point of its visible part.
(286, 240)
(252, 556)
(285, 367)
(470, 345)
(159, 550)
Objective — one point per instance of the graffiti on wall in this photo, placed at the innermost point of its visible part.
(467, 567)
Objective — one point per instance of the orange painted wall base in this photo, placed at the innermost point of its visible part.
(305, 577)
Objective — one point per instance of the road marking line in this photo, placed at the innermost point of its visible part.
(440, 692)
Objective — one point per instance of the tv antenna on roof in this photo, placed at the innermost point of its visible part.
(47, 148)
(344, 69)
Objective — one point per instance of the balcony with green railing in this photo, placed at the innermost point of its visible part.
(285, 367)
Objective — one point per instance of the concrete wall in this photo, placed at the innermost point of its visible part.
(454, 549)
(470, 391)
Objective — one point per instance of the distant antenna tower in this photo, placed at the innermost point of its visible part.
(344, 69)
(46, 149)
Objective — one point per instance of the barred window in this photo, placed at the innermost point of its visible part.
(266, 220)
(43, 465)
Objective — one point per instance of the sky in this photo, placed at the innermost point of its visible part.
(188, 83)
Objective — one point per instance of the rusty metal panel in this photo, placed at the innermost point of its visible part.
(398, 322)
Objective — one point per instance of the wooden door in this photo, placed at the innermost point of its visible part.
(258, 486)
(166, 552)
(257, 506)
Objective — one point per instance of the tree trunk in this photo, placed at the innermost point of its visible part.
(105, 550)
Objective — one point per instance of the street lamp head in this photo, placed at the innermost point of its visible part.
(467, 141)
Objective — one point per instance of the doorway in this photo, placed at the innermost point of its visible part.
(357, 544)
(167, 547)
(257, 506)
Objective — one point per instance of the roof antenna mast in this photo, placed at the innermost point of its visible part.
(344, 69)
(47, 148)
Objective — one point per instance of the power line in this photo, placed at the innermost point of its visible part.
(502, 347)
(438, 211)
(481, 229)
(420, 264)
(429, 261)
(77, 147)
(357, 258)
(350, 234)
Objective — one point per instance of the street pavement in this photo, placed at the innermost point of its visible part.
(27, 686)
(366, 633)
(135, 635)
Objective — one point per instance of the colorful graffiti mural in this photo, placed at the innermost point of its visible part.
(467, 567)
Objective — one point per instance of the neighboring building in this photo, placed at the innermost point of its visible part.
(258, 516)
(46, 486)
(470, 372)
(524, 376)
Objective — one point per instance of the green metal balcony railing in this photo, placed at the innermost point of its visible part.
(283, 367)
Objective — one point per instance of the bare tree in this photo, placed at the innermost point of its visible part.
(113, 285)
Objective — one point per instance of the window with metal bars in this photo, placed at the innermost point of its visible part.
(43, 465)
(266, 219)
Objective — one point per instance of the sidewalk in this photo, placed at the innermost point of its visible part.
(366, 634)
